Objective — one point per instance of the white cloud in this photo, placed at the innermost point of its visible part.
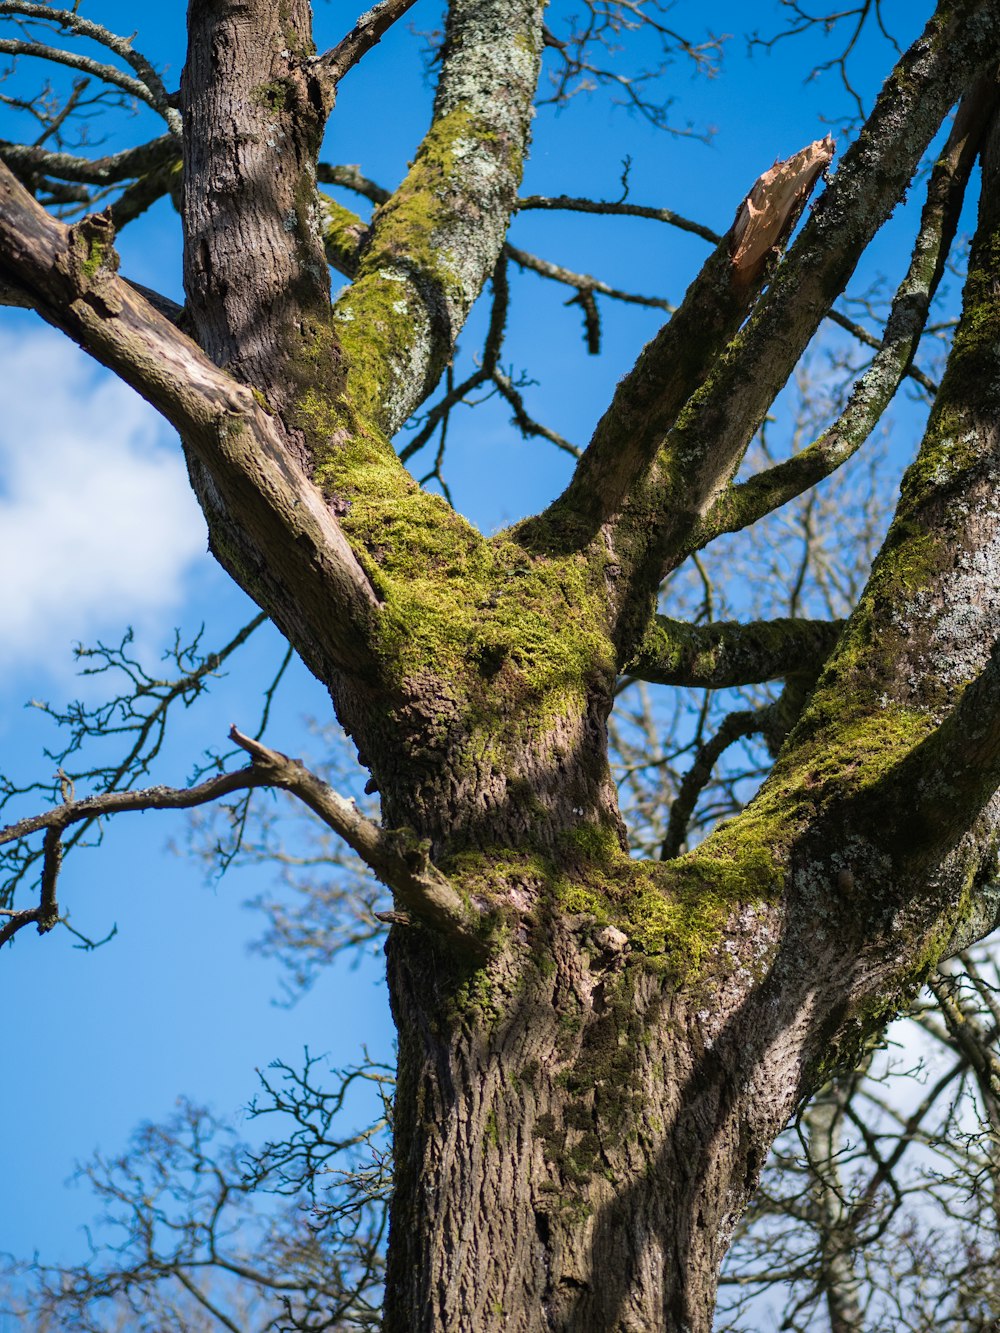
(97, 521)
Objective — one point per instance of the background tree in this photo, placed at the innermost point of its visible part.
(596, 1048)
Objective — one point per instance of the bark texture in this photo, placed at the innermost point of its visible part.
(595, 1051)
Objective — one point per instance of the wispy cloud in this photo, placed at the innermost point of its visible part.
(97, 521)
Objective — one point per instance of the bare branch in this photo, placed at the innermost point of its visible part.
(734, 728)
(369, 30)
(148, 87)
(570, 204)
(396, 857)
(28, 159)
(582, 282)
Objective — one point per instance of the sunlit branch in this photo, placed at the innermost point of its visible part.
(349, 177)
(25, 159)
(148, 87)
(369, 30)
(397, 857)
(220, 420)
(722, 417)
(745, 503)
(431, 294)
(673, 365)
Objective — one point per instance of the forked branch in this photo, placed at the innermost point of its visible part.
(741, 505)
(396, 856)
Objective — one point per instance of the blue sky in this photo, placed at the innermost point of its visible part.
(98, 531)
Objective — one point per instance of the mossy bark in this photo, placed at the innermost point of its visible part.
(580, 1119)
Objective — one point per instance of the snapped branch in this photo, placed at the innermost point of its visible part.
(706, 445)
(672, 366)
(740, 505)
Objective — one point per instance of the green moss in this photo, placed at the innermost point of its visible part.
(491, 1135)
(342, 232)
(388, 301)
(516, 634)
(276, 96)
(672, 913)
(93, 246)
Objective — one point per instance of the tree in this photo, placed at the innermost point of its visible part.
(596, 1050)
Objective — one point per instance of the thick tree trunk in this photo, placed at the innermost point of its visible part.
(577, 1128)
(575, 1135)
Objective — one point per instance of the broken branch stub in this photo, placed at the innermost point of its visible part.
(771, 209)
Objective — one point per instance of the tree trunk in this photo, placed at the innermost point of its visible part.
(575, 1136)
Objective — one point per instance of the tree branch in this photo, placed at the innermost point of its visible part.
(686, 457)
(397, 857)
(582, 282)
(571, 204)
(61, 817)
(705, 446)
(369, 30)
(343, 251)
(435, 241)
(148, 86)
(71, 276)
(725, 653)
(735, 727)
(30, 160)
(675, 363)
(741, 505)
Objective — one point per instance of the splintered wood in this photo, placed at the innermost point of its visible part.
(772, 207)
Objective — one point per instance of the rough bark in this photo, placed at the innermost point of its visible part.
(580, 1118)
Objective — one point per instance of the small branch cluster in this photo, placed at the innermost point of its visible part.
(203, 1231)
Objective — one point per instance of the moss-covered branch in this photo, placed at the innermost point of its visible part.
(435, 241)
(739, 506)
(707, 444)
(675, 363)
(704, 447)
(896, 759)
(725, 653)
(343, 232)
